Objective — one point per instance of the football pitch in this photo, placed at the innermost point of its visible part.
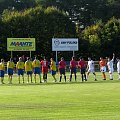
(91, 100)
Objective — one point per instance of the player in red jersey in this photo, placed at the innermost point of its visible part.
(82, 66)
(73, 66)
(62, 67)
(44, 64)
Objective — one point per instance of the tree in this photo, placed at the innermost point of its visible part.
(42, 24)
(16, 4)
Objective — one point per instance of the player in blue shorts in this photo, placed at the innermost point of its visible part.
(28, 69)
(10, 67)
(36, 68)
(20, 67)
(53, 68)
(2, 71)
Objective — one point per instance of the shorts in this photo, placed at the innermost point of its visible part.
(73, 70)
(111, 70)
(103, 69)
(91, 70)
(53, 72)
(2, 73)
(83, 70)
(29, 72)
(62, 71)
(37, 70)
(20, 72)
(45, 70)
(10, 71)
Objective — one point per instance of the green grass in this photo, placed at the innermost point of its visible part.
(91, 100)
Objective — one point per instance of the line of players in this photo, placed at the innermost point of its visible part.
(35, 67)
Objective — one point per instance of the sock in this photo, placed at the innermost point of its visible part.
(60, 78)
(19, 79)
(28, 79)
(104, 76)
(65, 78)
(70, 78)
(23, 79)
(111, 76)
(82, 78)
(75, 77)
(35, 79)
(85, 76)
(40, 78)
(94, 76)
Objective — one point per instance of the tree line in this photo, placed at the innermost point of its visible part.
(96, 24)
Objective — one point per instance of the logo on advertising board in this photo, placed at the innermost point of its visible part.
(21, 44)
(56, 42)
(64, 44)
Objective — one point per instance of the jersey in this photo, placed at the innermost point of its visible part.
(82, 64)
(118, 66)
(91, 65)
(73, 64)
(102, 63)
(28, 66)
(2, 67)
(110, 64)
(36, 63)
(44, 64)
(53, 65)
(20, 65)
(62, 64)
(10, 64)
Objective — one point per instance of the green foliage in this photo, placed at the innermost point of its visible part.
(42, 24)
(103, 37)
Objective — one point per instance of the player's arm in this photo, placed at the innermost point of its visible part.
(87, 67)
(17, 66)
(113, 57)
(79, 65)
(76, 64)
(14, 69)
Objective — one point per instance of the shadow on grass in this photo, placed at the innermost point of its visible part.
(63, 83)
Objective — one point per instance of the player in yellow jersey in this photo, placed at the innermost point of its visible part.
(36, 68)
(10, 67)
(2, 71)
(53, 68)
(20, 68)
(28, 69)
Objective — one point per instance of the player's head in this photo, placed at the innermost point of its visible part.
(28, 58)
(117, 58)
(108, 58)
(35, 57)
(2, 60)
(51, 59)
(73, 58)
(89, 58)
(101, 58)
(11, 59)
(81, 58)
(20, 58)
(44, 58)
(62, 58)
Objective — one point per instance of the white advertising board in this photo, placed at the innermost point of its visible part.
(64, 44)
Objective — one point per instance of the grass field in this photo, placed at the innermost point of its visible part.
(91, 100)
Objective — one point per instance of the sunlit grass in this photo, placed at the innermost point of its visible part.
(91, 100)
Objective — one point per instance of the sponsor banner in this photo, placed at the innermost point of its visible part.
(63, 44)
(21, 44)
